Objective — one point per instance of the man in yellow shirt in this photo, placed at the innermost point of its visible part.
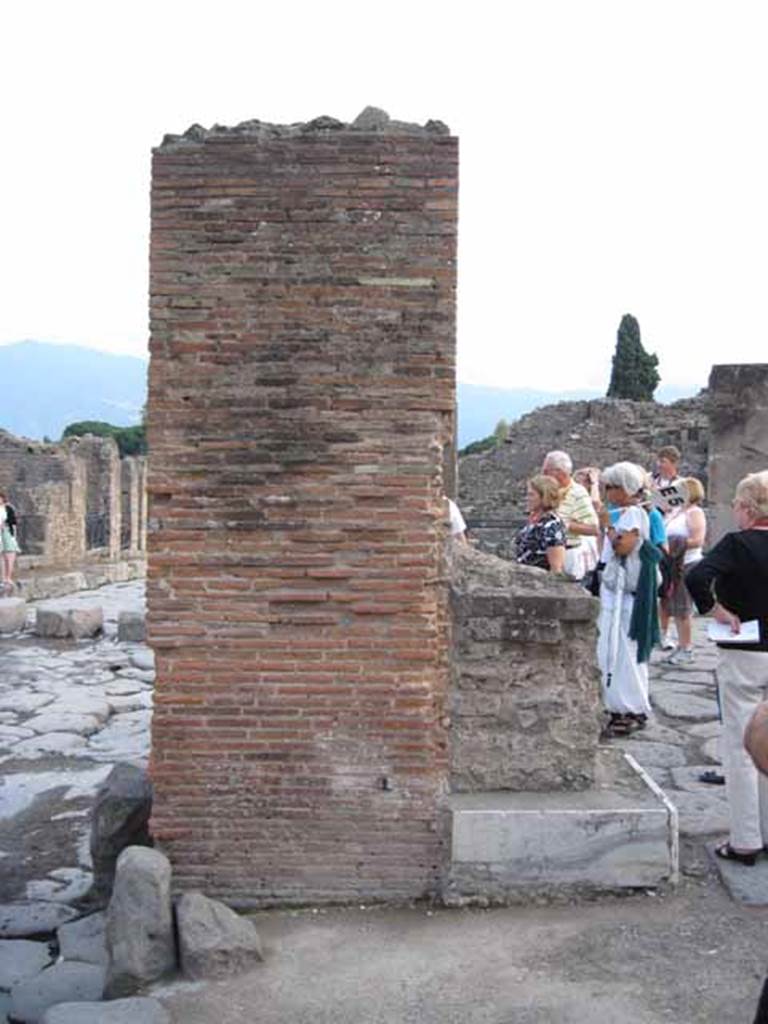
(575, 509)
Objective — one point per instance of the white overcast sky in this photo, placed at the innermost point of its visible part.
(613, 159)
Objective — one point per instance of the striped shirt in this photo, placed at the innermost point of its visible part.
(576, 505)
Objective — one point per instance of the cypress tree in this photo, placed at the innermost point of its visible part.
(634, 374)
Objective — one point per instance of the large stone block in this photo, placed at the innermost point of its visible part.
(214, 941)
(62, 983)
(13, 615)
(78, 623)
(140, 940)
(120, 818)
(30, 918)
(20, 959)
(85, 940)
(132, 626)
(507, 844)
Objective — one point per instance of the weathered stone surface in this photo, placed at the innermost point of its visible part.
(143, 659)
(137, 1010)
(64, 743)
(689, 676)
(655, 732)
(51, 622)
(705, 730)
(20, 959)
(21, 920)
(523, 715)
(687, 778)
(62, 983)
(214, 941)
(745, 885)
(656, 755)
(140, 940)
(684, 706)
(13, 615)
(85, 622)
(131, 627)
(64, 721)
(85, 940)
(78, 622)
(120, 818)
(701, 814)
(710, 750)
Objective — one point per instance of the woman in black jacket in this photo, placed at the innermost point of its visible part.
(732, 581)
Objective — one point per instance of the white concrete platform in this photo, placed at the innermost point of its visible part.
(504, 845)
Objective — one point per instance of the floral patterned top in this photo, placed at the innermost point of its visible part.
(532, 542)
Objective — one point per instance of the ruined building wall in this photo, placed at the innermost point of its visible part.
(594, 433)
(739, 435)
(301, 398)
(68, 499)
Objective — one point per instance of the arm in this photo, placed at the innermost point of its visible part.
(697, 527)
(700, 580)
(625, 543)
(584, 529)
(756, 737)
(556, 558)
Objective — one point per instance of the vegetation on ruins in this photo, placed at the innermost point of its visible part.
(634, 374)
(130, 440)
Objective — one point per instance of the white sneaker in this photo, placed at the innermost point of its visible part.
(682, 656)
(667, 643)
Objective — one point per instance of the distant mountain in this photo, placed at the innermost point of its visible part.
(45, 387)
(481, 408)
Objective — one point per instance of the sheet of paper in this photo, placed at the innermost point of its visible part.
(749, 633)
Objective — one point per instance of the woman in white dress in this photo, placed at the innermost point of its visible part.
(624, 678)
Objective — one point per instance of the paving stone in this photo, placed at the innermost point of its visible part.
(688, 676)
(140, 934)
(745, 885)
(10, 734)
(23, 920)
(64, 743)
(657, 755)
(704, 730)
(687, 778)
(214, 941)
(131, 702)
(683, 706)
(24, 702)
(64, 721)
(124, 687)
(13, 615)
(655, 732)
(136, 1010)
(62, 983)
(85, 939)
(64, 885)
(20, 959)
(701, 814)
(710, 750)
(144, 659)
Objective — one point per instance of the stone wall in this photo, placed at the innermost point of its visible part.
(594, 433)
(301, 401)
(525, 706)
(68, 500)
(739, 435)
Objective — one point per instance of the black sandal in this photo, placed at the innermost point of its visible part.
(619, 725)
(712, 777)
(726, 852)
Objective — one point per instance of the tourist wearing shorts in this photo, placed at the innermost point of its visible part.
(9, 546)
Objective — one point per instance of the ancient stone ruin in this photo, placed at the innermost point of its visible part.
(339, 704)
(81, 509)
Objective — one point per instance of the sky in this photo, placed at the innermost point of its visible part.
(613, 160)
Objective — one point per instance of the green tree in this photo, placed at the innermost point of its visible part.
(634, 373)
(500, 432)
(130, 440)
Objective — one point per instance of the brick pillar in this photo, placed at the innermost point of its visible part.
(301, 396)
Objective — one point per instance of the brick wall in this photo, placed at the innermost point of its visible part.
(301, 400)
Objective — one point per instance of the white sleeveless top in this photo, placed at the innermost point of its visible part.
(677, 526)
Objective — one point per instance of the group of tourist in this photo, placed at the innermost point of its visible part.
(650, 532)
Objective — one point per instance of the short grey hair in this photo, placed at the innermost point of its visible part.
(560, 461)
(626, 475)
(752, 493)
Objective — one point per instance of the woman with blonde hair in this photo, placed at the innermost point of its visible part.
(541, 542)
(686, 529)
(732, 582)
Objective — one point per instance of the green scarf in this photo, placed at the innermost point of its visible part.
(644, 624)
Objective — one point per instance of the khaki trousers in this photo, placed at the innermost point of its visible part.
(742, 678)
